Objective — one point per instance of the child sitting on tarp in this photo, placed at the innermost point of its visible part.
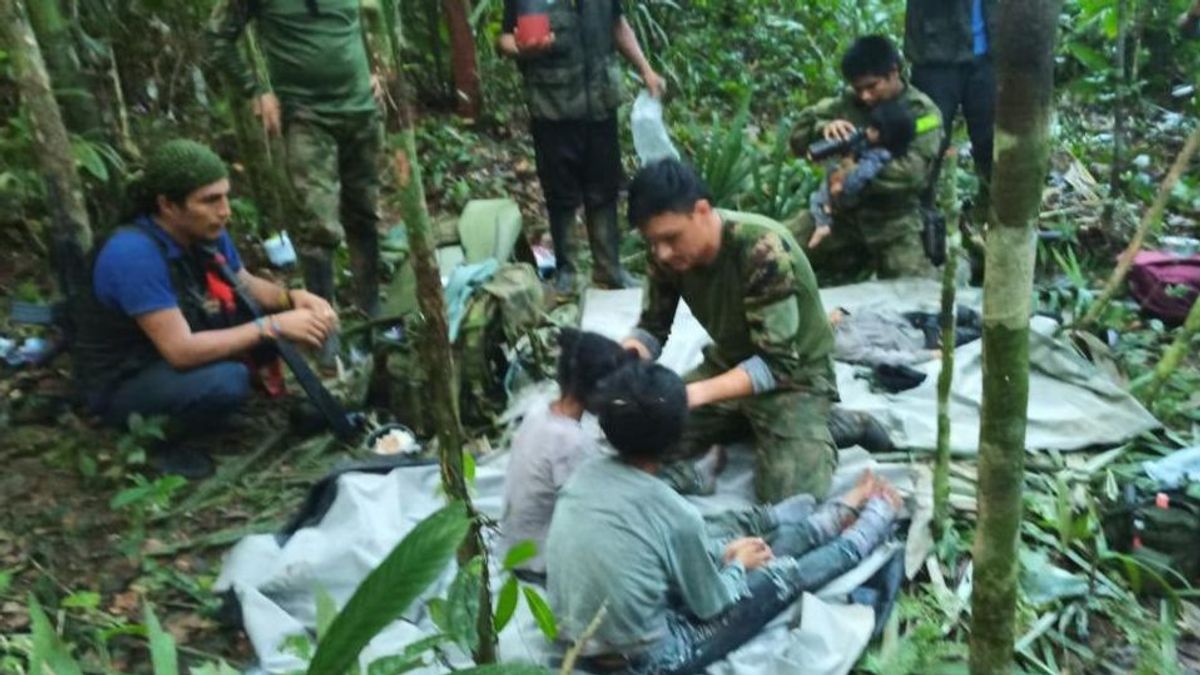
(891, 130)
(550, 442)
(624, 540)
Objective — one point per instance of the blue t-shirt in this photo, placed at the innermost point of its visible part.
(979, 28)
(130, 274)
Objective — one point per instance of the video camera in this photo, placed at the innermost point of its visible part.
(825, 149)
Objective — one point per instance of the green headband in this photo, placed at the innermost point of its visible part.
(179, 167)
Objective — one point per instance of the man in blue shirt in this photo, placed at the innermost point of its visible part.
(948, 43)
(160, 333)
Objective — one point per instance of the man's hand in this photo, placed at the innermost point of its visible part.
(302, 299)
(818, 236)
(838, 129)
(304, 325)
(266, 108)
(655, 84)
(636, 346)
(377, 87)
(752, 552)
(533, 49)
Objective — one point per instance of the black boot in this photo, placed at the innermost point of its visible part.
(854, 427)
(562, 224)
(364, 262)
(173, 459)
(318, 279)
(604, 235)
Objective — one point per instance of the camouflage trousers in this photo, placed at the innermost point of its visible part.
(891, 250)
(333, 167)
(793, 450)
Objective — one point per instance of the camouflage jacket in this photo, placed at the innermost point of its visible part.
(316, 61)
(757, 298)
(895, 193)
(940, 31)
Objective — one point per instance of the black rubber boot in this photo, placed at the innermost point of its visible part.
(854, 427)
(604, 235)
(175, 460)
(318, 279)
(364, 262)
(562, 224)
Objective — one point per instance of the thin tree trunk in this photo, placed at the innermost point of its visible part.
(1174, 355)
(1123, 91)
(64, 190)
(1149, 219)
(941, 469)
(1025, 36)
(79, 110)
(467, 96)
(437, 354)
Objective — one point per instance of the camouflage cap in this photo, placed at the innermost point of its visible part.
(178, 167)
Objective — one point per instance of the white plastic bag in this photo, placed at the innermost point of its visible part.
(650, 138)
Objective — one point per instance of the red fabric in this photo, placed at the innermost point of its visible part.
(220, 291)
(1165, 285)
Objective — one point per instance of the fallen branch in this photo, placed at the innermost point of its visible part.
(1171, 358)
(1149, 219)
(568, 665)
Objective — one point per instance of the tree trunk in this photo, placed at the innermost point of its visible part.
(437, 354)
(1173, 357)
(64, 191)
(79, 110)
(941, 470)
(1123, 91)
(1025, 36)
(467, 96)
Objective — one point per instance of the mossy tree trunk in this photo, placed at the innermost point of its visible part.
(1173, 357)
(941, 470)
(436, 351)
(1024, 48)
(72, 233)
(53, 30)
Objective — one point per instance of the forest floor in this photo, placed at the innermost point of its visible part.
(81, 526)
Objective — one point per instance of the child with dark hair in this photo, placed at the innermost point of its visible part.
(671, 605)
(891, 128)
(550, 443)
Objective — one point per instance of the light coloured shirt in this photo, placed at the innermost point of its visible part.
(623, 539)
(879, 337)
(545, 451)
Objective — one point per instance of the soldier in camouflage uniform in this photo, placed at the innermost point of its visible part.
(882, 234)
(769, 373)
(321, 98)
(573, 87)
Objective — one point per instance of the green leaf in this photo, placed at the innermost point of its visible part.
(81, 600)
(521, 552)
(48, 650)
(415, 563)
(469, 468)
(5, 580)
(505, 669)
(462, 605)
(162, 646)
(326, 611)
(541, 612)
(506, 603)
(411, 658)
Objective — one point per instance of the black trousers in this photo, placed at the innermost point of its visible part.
(578, 162)
(972, 87)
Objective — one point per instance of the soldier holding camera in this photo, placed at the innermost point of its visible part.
(879, 231)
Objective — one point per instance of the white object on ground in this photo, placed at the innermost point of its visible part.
(395, 442)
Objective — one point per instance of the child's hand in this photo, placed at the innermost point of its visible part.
(818, 236)
(752, 552)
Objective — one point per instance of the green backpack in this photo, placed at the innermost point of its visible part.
(1158, 527)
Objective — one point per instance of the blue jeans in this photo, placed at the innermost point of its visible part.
(810, 557)
(194, 400)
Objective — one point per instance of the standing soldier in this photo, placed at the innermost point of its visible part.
(573, 88)
(882, 232)
(321, 97)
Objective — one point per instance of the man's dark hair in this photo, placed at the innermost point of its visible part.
(664, 186)
(896, 124)
(642, 409)
(870, 55)
(584, 359)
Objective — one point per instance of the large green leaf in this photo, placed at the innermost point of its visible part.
(506, 603)
(462, 605)
(389, 589)
(519, 553)
(162, 646)
(541, 613)
(50, 655)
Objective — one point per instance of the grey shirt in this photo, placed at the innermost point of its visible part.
(545, 451)
(623, 539)
(879, 337)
